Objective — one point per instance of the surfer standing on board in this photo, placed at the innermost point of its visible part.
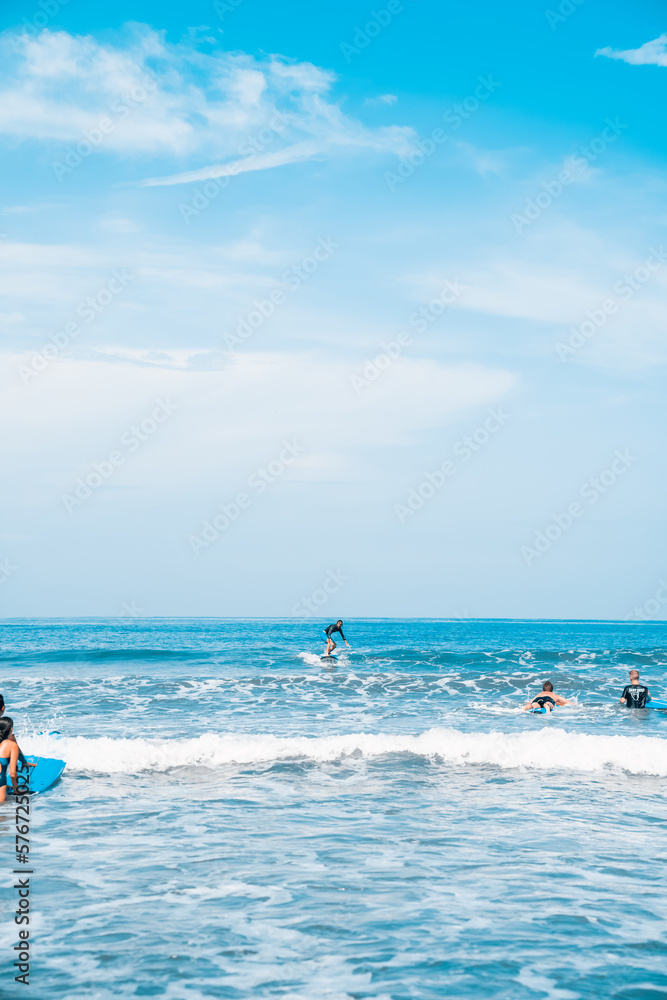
(328, 631)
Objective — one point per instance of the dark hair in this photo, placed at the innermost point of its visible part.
(547, 686)
(2, 701)
(6, 726)
(339, 622)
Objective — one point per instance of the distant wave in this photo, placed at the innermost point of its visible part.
(506, 658)
(109, 656)
(379, 661)
(545, 749)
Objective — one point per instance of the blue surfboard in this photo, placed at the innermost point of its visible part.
(41, 777)
(653, 703)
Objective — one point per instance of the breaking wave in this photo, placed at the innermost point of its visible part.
(548, 749)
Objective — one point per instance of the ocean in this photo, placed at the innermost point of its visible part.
(237, 820)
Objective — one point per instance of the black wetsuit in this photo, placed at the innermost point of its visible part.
(330, 629)
(635, 695)
(541, 700)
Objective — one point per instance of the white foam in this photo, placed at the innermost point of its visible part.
(311, 659)
(548, 748)
(315, 659)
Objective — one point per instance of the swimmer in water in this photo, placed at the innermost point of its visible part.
(635, 695)
(12, 738)
(9, 753)
(547, 699)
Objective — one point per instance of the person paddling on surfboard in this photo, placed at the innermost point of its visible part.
(9, 752)
(12, 738)
(328, 631)
(635, 695)
(547, 699)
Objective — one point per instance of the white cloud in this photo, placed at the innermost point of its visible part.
(11, 319)
(483, 161)
(382, 99)
(119, 226)
(652, 53)
(237, 413)
(148, 95)
(556, 278)
(26, 209)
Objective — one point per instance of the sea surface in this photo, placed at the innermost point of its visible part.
(238, 820)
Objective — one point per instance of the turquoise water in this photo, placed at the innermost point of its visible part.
(236, 821)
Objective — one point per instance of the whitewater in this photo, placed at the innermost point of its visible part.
(248, 822)
(553, 749)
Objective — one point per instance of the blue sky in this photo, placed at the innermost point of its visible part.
(337, 310)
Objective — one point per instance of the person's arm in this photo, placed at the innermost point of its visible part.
(623, 700)
(558, 698)
(343, 637)
(13, 756)
(22, 760)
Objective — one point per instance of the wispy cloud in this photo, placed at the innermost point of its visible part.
(239, 112)
(10, 319)
(27, 209)
(382, 99)
(652, 53)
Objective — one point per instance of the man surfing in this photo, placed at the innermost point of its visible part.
(635, 695)
(328, 631)
(546, 699)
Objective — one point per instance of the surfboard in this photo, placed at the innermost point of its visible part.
(538, 711)
(653, 703)
(329, 659)
(43, 776)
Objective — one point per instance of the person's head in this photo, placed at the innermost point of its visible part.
(634, 675)
(339, 622)
(6, 727)
(547, 686)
